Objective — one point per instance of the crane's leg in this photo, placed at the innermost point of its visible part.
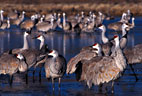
(40, 75)
(34, 76)
(112, 91)
(26, 77)
(100, 88)
(133, 72)
(53, 86)
(59, 84)
(10, 80)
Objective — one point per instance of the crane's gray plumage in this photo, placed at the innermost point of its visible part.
(85, 54)
(5, 24)
(134, 54)
(55, 66)
(102, 69)
(105, 69)
(10, 64)
(18, 20)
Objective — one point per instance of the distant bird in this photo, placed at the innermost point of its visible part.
(5, 24)
(99, 19)
(1, 15)
(91, 24)
(13, 14)
(55, 66)
(66, 25)
(45, 26)
(18, 20)
(129, 15)
(117, 26)
(28, 24)
(10, 64)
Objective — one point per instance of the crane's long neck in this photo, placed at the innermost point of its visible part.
(1, 16)
(119, 57)
(116, 47)
(25, 46)
(8, 23)
(133, 23)
(41, 43)
(123, 31)
(93, 20)
(104, 38)
(123, 18)
(59, 20)
(123, 41)
(99, 51)
(22, 17)
(64, 21)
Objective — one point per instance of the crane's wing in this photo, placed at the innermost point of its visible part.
(100, 70)
(84, 55)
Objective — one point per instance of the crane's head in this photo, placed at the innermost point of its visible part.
(116, 38)
(20, 56)
(53, 53)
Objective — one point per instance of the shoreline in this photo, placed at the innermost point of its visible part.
(73, 8)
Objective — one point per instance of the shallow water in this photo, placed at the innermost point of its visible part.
(68, 45)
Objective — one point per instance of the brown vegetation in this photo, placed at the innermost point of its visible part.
(73, 6)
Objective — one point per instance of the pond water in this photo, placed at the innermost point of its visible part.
(68, 45)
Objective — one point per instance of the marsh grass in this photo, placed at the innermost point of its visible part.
(72, 8)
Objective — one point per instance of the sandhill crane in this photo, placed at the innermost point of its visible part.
(18, 20)
(10, 64)
(29, 24)
(102, 69)
(45, 26)
(129, 15)
(32, 56)
(1, 15)
(85, 54)
(106, 43)
(133, 56)
(107, 47)
(44, 50)
(123, 40)
(59, 24)
(13, 14)
(5, 24)
(66, 25)
(55, 66)
(49, 16)
(91, 24)
(99, 19)
(117, 26)
(25, 44)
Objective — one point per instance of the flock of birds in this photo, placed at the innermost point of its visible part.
(95, 65)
